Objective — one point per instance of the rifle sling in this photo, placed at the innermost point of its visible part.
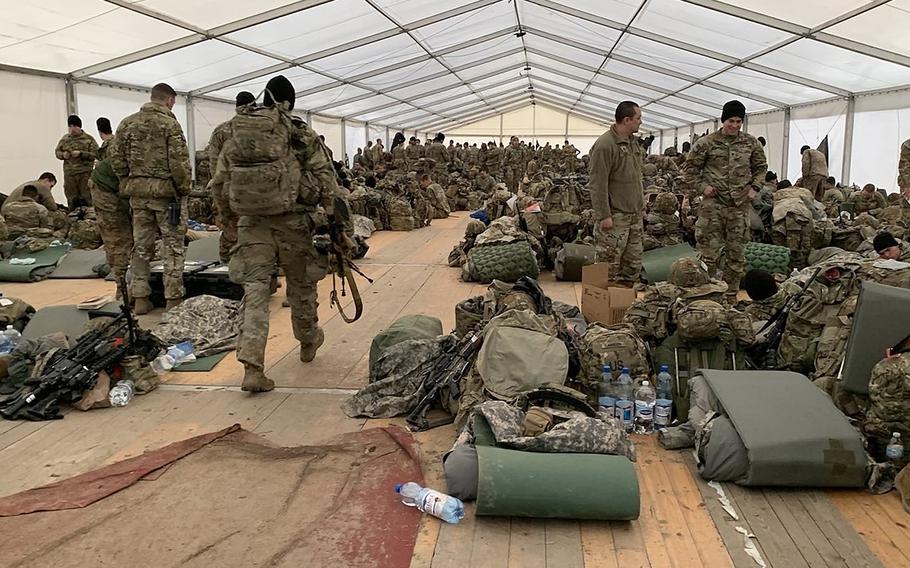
(348, 276)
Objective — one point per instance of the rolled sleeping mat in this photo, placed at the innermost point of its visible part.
(656, 263)
(506, 262)
(773, 258)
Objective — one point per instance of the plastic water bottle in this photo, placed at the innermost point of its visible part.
(445, 507)
(122, 393)
(175, 355)
(606, 398)
(644, 408)
(13, 334)
(895, 449)
(663, 406)
(624, 404)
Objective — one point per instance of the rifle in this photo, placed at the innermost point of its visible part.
(763, 353)
(70, 372)
(337, 248)
(446, 372)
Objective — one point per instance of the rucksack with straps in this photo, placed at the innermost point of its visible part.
(264, 172)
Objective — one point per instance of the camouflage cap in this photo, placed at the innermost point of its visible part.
(666, 203)
(691, 274)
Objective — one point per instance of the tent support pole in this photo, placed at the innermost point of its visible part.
(191, 132)
(785, 149)
(848, 140)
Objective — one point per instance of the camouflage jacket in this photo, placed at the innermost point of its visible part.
(436, 151)
(88, 151)
(220, 135)
(730, 164)
(23, 215)
(903, 166)
(863, 201)
(44, 196)
(150, 154)
(889, 398)
(513, 158)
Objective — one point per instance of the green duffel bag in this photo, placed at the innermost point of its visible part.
(773, 258)
(416, 326)
(507, 262)
(570, 259)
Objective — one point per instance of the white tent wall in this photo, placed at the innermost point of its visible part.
(355, 136)
(808, 126)
(208, 115)
(33, 112)
(377, 131)
(881, 124)
(769, 126)
(331, 129)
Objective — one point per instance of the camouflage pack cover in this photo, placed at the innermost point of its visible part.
(507, 262)
(650, 315)
(401, 215)
(617, 345)
(700, 320)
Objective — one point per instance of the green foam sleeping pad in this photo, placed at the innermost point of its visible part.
(773, 258)
(513, 483)
(507, 262)
(656, 263)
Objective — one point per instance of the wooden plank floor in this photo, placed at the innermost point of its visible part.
(681, 523)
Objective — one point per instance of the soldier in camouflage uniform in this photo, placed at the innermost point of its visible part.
(569, 158)
(617, 196)
(889, 399)
(513, 164)
(278, 219)
(227, 220)
(412, 153)
(25, 213)
(493, 159)
(727, 168)
(112, 209)
(78, 151)
(867, 200)
(152, 161)
(903, 169)
(44, 184)
(437, 152)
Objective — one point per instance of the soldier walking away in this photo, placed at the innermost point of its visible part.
(112, 208)
(815, 172)
(227, 220)
(278, 173)
(617, 195)
(152, 161)
(727, 169)
(78, 151)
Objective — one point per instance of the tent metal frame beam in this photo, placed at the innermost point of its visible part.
(711, 54)
(566, 104)
(361, 42)
(413, 61)
(440, 101)
(499, 99)
(656, 68)
(469, 110)
(520, 102)
(411, 82)
(806, 32)
(461, 106)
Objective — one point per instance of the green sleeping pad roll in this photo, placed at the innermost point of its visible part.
(507, 262)
(514, 483)
(773, 258)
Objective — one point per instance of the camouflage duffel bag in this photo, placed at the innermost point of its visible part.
(773, 258)
(469, 315)
(701, 320)
(507, 262)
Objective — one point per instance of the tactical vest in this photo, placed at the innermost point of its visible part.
(264, 173)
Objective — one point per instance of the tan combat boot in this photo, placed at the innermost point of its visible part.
(173, 304)
(254, 380)
(308, 350)
(142, 306)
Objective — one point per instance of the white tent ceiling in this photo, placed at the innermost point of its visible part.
(432, 64)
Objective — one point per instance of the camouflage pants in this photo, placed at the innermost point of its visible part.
(150, 221)
(621, 246)
(261, 242)
(723, 230)
(75, 187)
(116, 228)
(796, 234)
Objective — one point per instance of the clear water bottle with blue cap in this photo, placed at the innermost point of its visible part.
(606, 396)
(663, 406)
(445, 507)
(625, 406)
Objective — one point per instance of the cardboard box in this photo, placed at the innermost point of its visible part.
(600, 301)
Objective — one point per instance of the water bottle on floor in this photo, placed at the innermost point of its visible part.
(445, 507)
(663, 406)
(122, 393)
(625, 407)
(14, 336)
(644, 408)
(606, 399)
(895, 449)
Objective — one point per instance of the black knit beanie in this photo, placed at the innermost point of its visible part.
(279, 89)
(733, 108)
(883, 241)
(759, 284)
(244, 98)
(74, 120)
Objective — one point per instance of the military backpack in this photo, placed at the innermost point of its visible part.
(264, 173)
